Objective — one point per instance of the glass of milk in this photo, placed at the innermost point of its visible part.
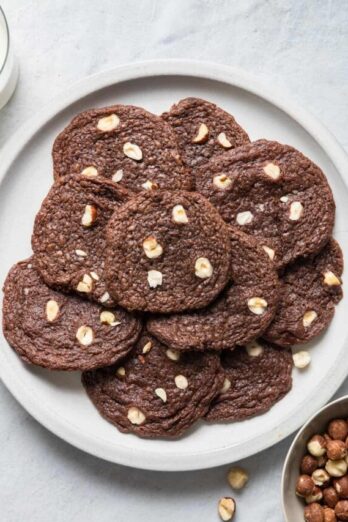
(8, 64)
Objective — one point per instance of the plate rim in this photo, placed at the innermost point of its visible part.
(235, 77)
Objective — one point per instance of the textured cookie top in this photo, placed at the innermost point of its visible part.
(69, 234)
(156, 392)
(62, 332)
(256, 377)
(310, 290)
(125, 144)
(240, 314)
(203, 130)
(167, 251)
(273, 192)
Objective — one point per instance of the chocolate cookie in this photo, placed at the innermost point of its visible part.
(125, 144)
(256, 377)
(156, 392)
(203, 130)
(167, 252)
(239, 315)
(273, 192)
(310, 290)
(62, 332)
(68, 238)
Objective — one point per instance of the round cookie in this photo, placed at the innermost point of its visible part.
(156, 392)
(240, 314)
(310, 290)
(125, 144)
(62, 332)
(273, 192)
(69, 235)
(203, 130)
(167, 252)
(256, 377)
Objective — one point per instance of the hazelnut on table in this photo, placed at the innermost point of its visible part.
(341, 510)
(226, 508)
(304, 486)
(309, 464)
(341, 487)
(338, 429)
(237, 478)
(314, 513)
(330, 497)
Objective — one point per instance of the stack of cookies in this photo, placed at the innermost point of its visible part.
(175, 263)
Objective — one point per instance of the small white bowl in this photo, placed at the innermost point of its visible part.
(293, 506)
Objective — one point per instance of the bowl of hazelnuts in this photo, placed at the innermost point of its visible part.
(315, 473)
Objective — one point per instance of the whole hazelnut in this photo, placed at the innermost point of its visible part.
(304, 485)
(308, 464)
(329, 514)
(314, 513)
(338, 429)
(330, 497)
(336, 449)
(317, 446)
(341, 486)
(336, 468)
(341, 509)
(315, 496)
(320, 477)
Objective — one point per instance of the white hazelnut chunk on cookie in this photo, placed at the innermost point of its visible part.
(85, 285)
(222, 181)
(105, 297)
(296, 210)
(272, 170)
(117, 176)
(147, 347)
(309, 317)
(226, 385)
(269, 251)
(121, 371)
(161, 393)
(254, 349)
(109, 318)
(173, 355)
(237, 477)
(136, 416)
(149, 185)
(301, 359)
(202, 134)
(152, 248)
(52, 310)
(331, 279)
(257, 305)
(90, 172)
(80, 253)
(179, 214)
(223, 141)
(132, 151)
(284, 199)
(203, 268)
(89, 216)
(226, 508)
(95, 276)
(154, 278)
(244, 218)
(108, 123)
(85, 335)
(181, 382)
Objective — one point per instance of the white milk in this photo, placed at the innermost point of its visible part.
(8, 65)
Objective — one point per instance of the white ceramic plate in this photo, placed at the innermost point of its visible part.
(57, 399)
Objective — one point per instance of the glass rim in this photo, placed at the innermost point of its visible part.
(2, 14)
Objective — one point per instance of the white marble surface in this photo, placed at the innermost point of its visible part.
(298, 46)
